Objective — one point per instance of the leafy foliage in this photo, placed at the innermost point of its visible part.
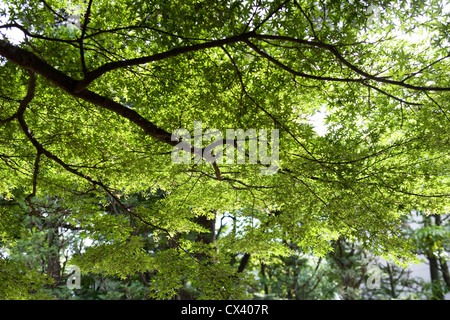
(92, 90)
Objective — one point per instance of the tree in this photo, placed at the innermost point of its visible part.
(89, 109)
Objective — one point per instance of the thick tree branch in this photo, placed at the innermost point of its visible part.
(30, 62)
(245, 37)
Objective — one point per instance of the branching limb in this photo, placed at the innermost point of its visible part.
(9, 119)
(37, 36)
(332, 49)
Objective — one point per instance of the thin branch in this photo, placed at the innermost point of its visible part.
(94, 74)
(19, 116)
(312, 191)
(384, 80)
(250, 20)
(37, 36)
(413, 193)
(263, 109)
(35, 173)
(338, 55)
(247, 186)
(392, 96)
(141, 26)
(52, 10)
(7, 160)
(259, 25)
(424, 68)
(439, 106)
(9, 119)
(86, 19)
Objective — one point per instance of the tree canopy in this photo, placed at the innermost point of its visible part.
(92, 91)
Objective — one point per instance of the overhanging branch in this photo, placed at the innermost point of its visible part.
(95, 74)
